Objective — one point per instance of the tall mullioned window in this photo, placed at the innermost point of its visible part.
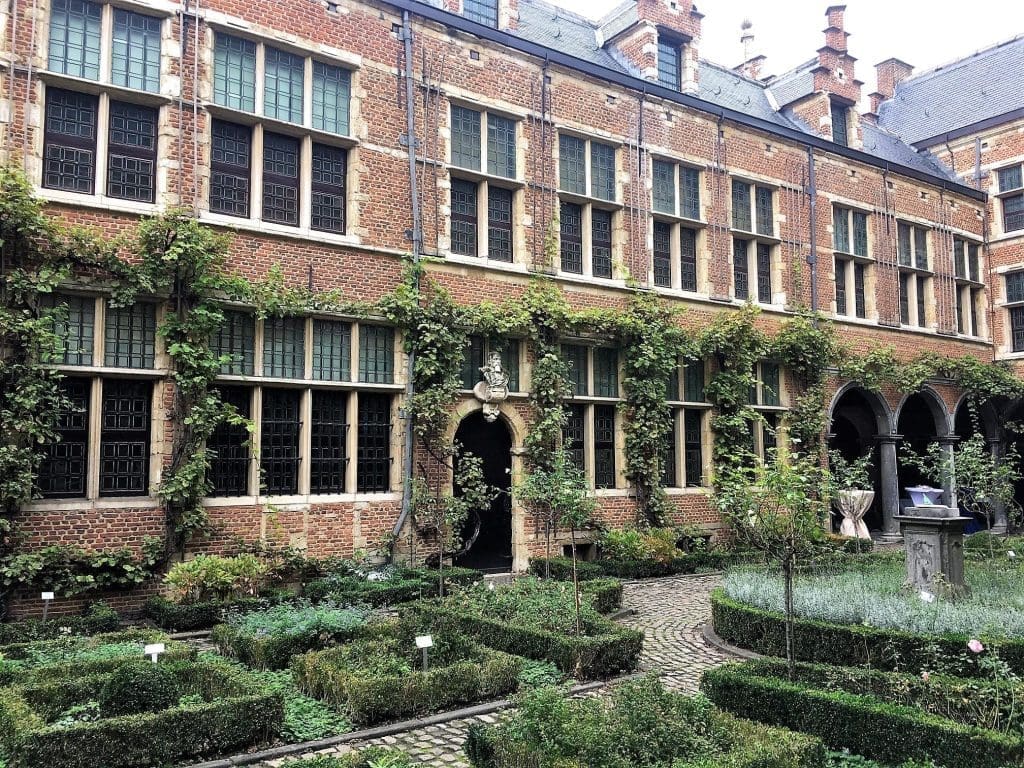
(670, 62)
(1011, 197)
(754, 244)
(675, 201)
(481, 11)
(587, 209)
(683, 459)
(852, 262)
(915, 274)
(589, 434)
(970, 288)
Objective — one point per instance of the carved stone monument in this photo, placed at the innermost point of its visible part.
(494, 388)
(934, 539)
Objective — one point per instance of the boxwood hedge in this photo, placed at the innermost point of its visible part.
(402, 586)
(561, 567)
(865, 725)
(98, 617)
(226, 710)
(187, 617)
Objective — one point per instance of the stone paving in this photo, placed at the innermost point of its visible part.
(671, 613)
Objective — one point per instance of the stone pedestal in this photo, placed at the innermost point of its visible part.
(934, 539)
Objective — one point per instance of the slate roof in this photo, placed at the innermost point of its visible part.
(986, 84)
(727, 88)
(554, 27)
(793, 85)
(892, 149)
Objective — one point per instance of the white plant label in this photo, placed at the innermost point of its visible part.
(153, 650)
(424, 641)
(47, 595)
(1011, 553)
(927, 596)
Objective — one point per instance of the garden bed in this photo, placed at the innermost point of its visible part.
(537, 619)
(98, 617)
(820, 702)
(641, 724)
(378, 676)
(268, 639)
(390, 586)
(136, 717)
(187, 617)
(561, 567)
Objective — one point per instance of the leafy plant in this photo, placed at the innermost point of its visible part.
(212, 577)
(849, 475)
(139, 687)
(70, 570)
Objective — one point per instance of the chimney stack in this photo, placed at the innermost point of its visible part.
(891, 73)
(752, 63)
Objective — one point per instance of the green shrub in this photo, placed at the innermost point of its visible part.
(604, 595)
(645, 568)
(858, 645)
(399, 585)
(538, 674)
(865, 725)
(98, 617)
(212, 577)
(185, 617)
(139, 687)
(378, 676)
(371, 757)
(268, 639)
(222, 709)
(560, 568)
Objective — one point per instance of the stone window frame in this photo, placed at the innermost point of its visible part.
(92, 368)
(587, 203)
(682, 405)
(484, 181)
(839, 114)
(105, 91)
(916, 278)
(969, 287)
(479, 348)
(305, 387)
(758, 241)
(771, 407)
(1010, 194)
(853, 259)
(679, 219)
(667, 76)
(590, 403)
(1013, 304)
(305, 133)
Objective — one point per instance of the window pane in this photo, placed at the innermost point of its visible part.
(840, 132)
(124, 438)
(689, 183)
(905, 298)
(574, 433)
(472, 362)
(669, 477)
(693, 450)
(576, 356)
(230, 452)
(903, 244)
(770, 392)
(572, 165)
(135, 53)
(741, 206)
(765, 211)
(604, 446)
(960, 259)
(764, 273)
(131, 161)
(481, 11)
(974, 262)
(332, 350)
(921, 248)
(1009, 178)
(130, 337)
(376, 354)
(332, 88)
(74, 325)
(63, 470)
(509, 351)
(840, 286)
(284, 347)
(501, 146)
(229, 169)
(740, 269)
(283, 85)
(860, 233)
(606, 372)
(1013, 213)
(601, 242)
(279, 441)
(328, 430)
(330, 168)
(602, 171)
(571, 237)
(1017, 328)
(668, 64)
(235, 338)
(465, 137)
(75, 38)
(464, 217)
(662, 254)
(922, 320)
(1015, 286)
(688, 259)
(841, 229)
(373, 456)
(693, 382)
(664, 187)
(280, 179)
(499, 224)
(234, 73)
(69, 142)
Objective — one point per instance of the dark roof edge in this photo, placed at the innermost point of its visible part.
(967, 130)
(646, 87)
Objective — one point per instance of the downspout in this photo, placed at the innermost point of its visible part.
(812, 256)
(417, 244)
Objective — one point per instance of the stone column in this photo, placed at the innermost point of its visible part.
(948, 443)
(889, 480)
(1000, 523)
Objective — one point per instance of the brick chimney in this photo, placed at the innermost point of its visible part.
(890, 73)
(632, 35)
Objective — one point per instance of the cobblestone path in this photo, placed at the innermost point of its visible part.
(670, 612)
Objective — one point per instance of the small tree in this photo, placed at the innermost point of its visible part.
(559, 494)
(776, 510)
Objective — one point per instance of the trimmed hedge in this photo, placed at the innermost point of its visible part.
(377, 677)
(865, 725)
(561, 567)
(187, 617)
(98, 617)
(234, 713)
(405, 585)
(604, 594)
(856, 644)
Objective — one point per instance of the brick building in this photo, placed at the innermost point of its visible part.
(611, 146)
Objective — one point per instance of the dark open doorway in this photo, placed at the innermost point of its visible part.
(489, 531)
(917, 424)
(853, 431)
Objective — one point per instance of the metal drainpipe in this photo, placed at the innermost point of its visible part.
(417, 244)
(812, 257)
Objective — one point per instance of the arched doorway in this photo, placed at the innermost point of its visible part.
(921, 422)
(857, 420)
(488, 532)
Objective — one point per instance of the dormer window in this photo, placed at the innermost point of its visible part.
(670, 62)
(840, 123)
(481, 11)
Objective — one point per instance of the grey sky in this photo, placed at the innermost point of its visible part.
(924, 33)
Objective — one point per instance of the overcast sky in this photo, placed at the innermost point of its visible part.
(924, 33)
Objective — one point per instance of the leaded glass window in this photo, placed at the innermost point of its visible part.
(328, 427)
(604, 446)
(284, 347)
(693, 382)
(1017, 328)
(740, 268)
(1013, 213)
(229, 169)
(601, 242)
(481, 11)
(124, 438)
(571, 237)
(279, 441)
(509, 351)
(859, 300)
(764, 273)
(572, 164)
(280, 179)
(235, 338)
(234, 73)
(499, 223)
(501, 146)
(330, 169)
(466, 145)
(920, 248)
(473, 361)
(693, 448)
(332, 350)
(765, 211)
(905, 297)
(841, 229)
(602, 171)
(860, 233)
(606, 372)
(921, 312)
(903, 249)
(74, 47)
(332, 92)
(669, 68)
(689, 193)
(664, 187)
(373, 457)
(1011, 178)
(231, 454)
(841, 286)
(69, 141)
(770, 391)
(131, 153)
(688, 259)
(840, 129)
(464, 217)
(376, 354)
(130, 337)
(669, 474)
(64, 468)
(135, 54)
(741, 206)
(662, 254)
(283, 85)
(74, 325)
(576, 357)
(574, 435)
(1015, 287)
